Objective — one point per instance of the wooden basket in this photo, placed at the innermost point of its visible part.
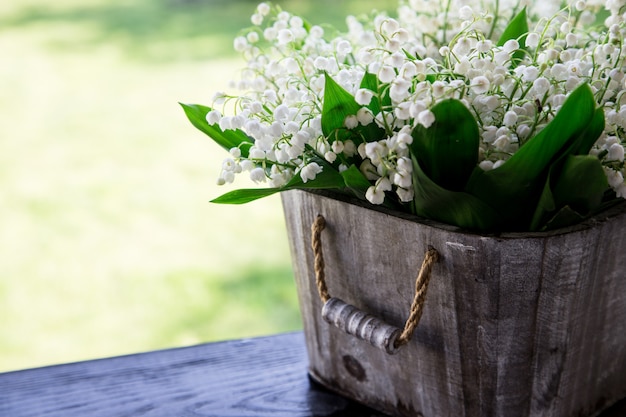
(513, 325)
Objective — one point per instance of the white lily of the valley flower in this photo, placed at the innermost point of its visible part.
(426, 118)
(310, 171)
(513, 92)
(363, 96)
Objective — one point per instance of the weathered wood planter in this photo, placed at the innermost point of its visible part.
(513, 325)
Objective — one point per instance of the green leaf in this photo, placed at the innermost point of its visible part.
(410, 56)
(547, 205)
(514, 188)
(370, 81)
(581, 185)
(338, 104)
(356, 181)
(452, 207)
(516, 29)
(448, 150)
(228, 139)
(563, 218)
(572, 121)
(245, 195)
(329, 178)
(590, 135)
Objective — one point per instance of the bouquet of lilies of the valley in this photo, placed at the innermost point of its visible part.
(485, 114)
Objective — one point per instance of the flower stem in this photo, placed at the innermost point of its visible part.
(495, 19)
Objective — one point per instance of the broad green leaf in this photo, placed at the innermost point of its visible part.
(371, 82)
(338, 104)
(448, 150)
(516, 29)
(581, 185)
(329, 178)
(228, 139)
(564, 217)
(590, 135)
(514, 188)
(245, 195)
(452, 207)
(356, 181)
(572, 121)
(357, 184)
(547, 205)
(544, 208)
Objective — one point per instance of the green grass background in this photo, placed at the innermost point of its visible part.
(108, 244)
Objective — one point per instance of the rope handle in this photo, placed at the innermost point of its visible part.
(357, 323)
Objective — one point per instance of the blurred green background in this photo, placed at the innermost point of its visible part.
(108, 244)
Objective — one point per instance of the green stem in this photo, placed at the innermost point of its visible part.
(445, 20)
(536, 121)
(495, 20)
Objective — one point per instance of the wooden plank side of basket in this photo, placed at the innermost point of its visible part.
(514, 325)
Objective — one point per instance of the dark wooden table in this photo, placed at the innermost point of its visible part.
(245, 378)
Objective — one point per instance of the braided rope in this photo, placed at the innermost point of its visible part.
(421, 283)
(316, 243)
(417, 307)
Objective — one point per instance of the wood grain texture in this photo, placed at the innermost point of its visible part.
(249, 378)
(256, 377)
(514, 325)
